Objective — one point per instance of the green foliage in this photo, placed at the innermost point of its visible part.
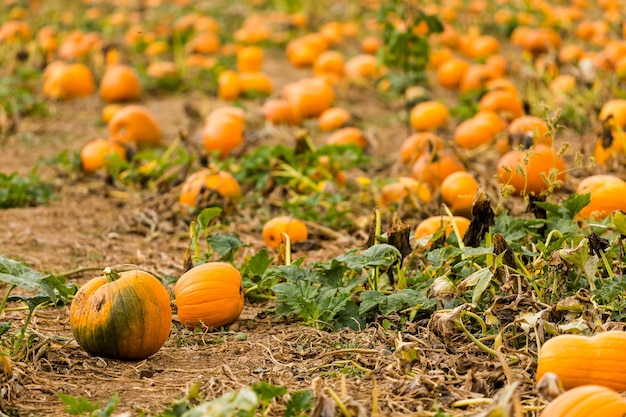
(246, 402)
(51, 291)
(81, 406)
(404, 49)
(322, 295)
(154, 168)
(18, 191)
(306, 179)
(17, 93)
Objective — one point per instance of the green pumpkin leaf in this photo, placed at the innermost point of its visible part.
(4, 327)
(299, 402)
(241, 403)
(266, 392)
(19, 274)
(225, 245)
(618, 220)
(208, 214)
(77, 406)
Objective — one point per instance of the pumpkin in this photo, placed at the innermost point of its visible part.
(135, 123)
(400, 189)
(430, 225)
(274, 229)
(458, 191)
(433, 167)
(250, 59)
(428, 115)
(210, 294)
(580, 360)
(606, 193)
(347, 135)
(97, 153)
(120, 83)
(418, 143)
(223, 133)
(333, 118)
(587, 401)
(121, 316)
(221, 182)
(279, 111)
(451, 72)
(534, 164)
(228, 85)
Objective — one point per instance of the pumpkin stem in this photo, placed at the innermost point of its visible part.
(111, 274)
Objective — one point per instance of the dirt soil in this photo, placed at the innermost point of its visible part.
(90, 226)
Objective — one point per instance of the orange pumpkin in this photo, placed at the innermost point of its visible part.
(121, 316)
(275, 227)
(586, 401)
(434, 167)
(403, 187)
(95, 154)
(68, 81)
(120, 83)
(346, 136)
(333, 118)
(135, 123)
(433, 224)
(309, 97)
(228, 85)
(418, 143)
(606, 194)
(580, 360)
(209, 295)
(458, 190)
(279, 111)
(524, 170)
(250, 59)
(223, 134)
(428, 115)
(221, 182)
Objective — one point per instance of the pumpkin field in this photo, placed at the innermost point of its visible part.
(313, 208)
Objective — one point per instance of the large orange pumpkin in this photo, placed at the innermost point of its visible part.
(121, 316)
(581, 360)
(587, 401)
(210, 295)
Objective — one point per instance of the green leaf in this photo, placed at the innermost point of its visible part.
(109, 408)
(299, 402)
(266, 392)
(32, 301)
(618, 220)
(208, 214)
(4, 327)
(241, 403)
(480, 281)
(19, 274)
(226, 245)
(349, 317)
(387, 304)
(257, 264)
(580, 257)
(381, 255)
(575, 203)
(77, 406)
